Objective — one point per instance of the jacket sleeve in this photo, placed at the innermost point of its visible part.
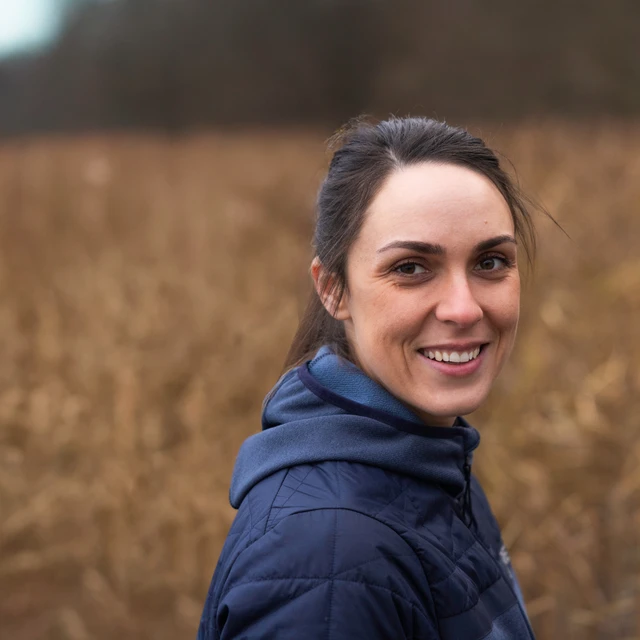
(327, 574)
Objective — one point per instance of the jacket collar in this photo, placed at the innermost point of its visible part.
(306, 421)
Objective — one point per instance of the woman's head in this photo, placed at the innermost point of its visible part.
(416, 239)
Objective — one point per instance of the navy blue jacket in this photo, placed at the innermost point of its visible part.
(355, 520)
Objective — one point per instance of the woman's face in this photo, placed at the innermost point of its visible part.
(433, 289)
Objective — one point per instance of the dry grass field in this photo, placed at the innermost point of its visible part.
(149, 288)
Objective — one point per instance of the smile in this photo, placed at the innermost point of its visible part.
(455, 361)
(453, 356)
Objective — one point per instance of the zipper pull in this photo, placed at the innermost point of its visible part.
(467, 469)
(467, 509)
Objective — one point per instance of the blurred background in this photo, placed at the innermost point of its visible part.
(158, 166)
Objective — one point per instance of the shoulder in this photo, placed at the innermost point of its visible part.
(349, 542)
(334, 544)
(411, 512)
(369, 490)
(323, 572)
(327, 519)
(356, 498)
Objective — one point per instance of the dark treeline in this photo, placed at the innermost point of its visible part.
(175, 64)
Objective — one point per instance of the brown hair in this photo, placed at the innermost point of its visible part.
(366, 153)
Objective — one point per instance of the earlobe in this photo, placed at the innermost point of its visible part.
(325, 287)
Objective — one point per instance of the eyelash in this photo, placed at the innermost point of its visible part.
(507, 264)
(397, 268)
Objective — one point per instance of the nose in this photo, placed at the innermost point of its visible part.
(458, 304)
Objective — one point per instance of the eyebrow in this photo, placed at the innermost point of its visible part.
(428, 248)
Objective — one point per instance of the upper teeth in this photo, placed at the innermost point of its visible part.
(453, 356)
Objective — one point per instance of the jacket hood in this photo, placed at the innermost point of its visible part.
(328, 409)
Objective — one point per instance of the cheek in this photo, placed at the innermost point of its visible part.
(505, 308)
(386, 315)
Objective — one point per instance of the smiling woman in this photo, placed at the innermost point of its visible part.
(433, 270)
(358, 513)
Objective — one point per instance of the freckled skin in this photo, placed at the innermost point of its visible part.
(461, 296)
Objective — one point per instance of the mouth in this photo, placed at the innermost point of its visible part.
(461, 361)
(453, 356)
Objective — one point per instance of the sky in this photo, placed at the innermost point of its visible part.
(27, 25)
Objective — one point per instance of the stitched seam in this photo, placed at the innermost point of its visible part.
(275, 497)
(453, 615)
(456, 566)
(322, 357)
(365, 515)
(333, 570)
(324, 579)
(293, 491)
(213, 617)
(253, 525)
(377, 513)
(362, 564)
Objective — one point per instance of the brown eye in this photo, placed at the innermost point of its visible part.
(492, 263)
(410, 269)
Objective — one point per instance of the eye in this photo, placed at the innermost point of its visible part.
(410, 269)
(493, 263)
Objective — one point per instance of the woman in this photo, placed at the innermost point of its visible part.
(358, 516)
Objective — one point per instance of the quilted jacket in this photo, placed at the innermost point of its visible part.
(355, 520)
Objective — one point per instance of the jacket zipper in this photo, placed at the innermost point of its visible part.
(467, 512)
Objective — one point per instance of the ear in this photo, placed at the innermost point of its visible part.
(324, 284)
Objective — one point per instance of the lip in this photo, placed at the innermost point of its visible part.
(456, 370)
(456, 346)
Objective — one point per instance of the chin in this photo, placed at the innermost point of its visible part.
(442, 410)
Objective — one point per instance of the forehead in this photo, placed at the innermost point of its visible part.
(436, 203)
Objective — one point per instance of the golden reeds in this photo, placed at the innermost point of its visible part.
(149, 289)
